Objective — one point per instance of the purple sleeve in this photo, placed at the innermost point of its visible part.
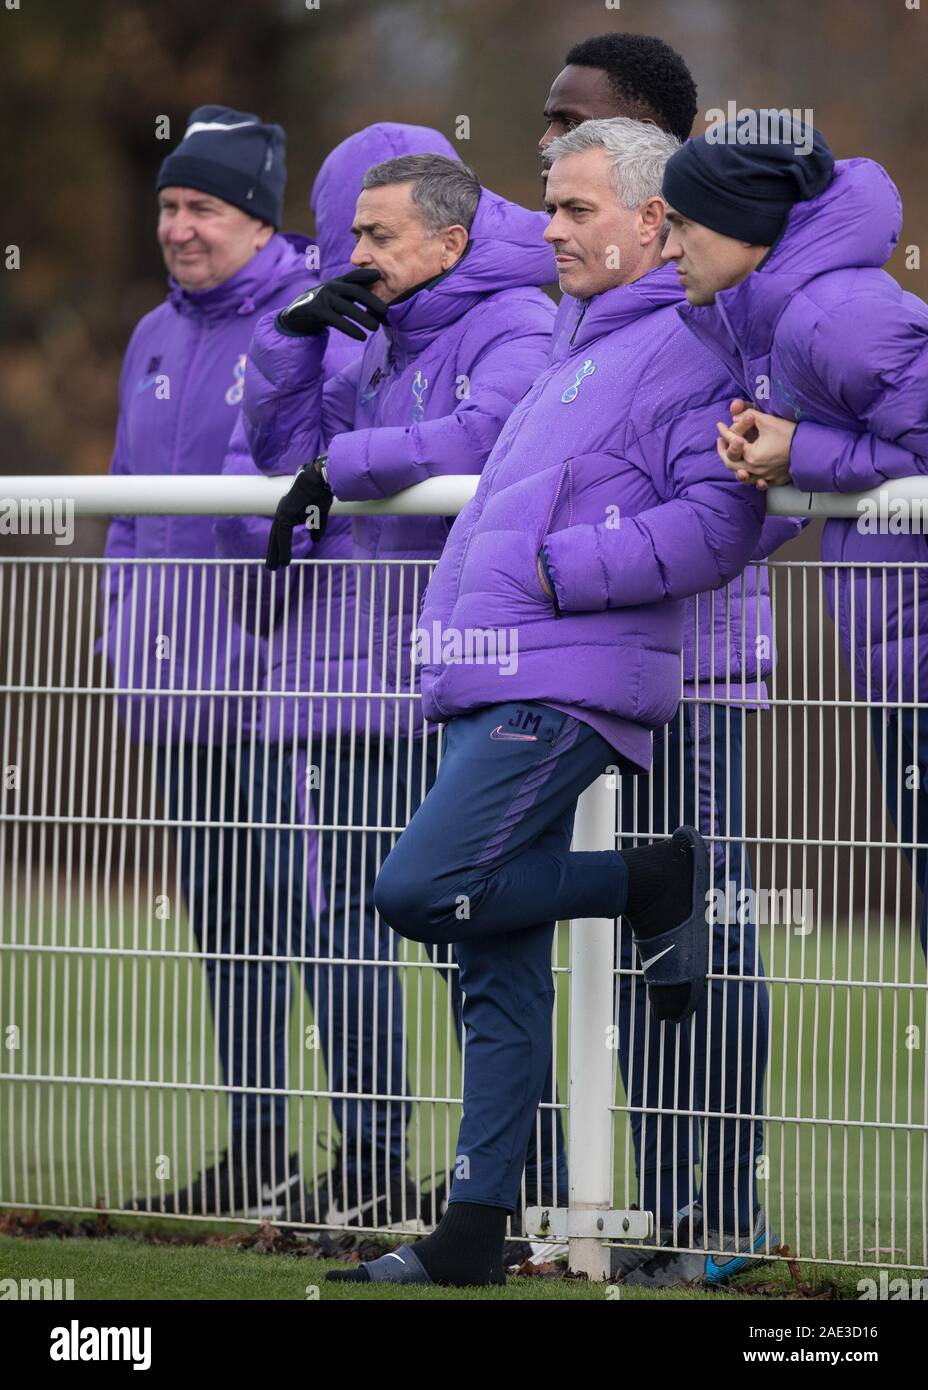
(290, 413)
(872, 360)
(776, 531)
(499, 366)
(825, 459)
(699, 538)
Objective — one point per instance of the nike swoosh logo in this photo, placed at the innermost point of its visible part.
(392, 1256)
(500, 732)
(340, 1216)
(646, 963)
(269, 1192)
(197, 126)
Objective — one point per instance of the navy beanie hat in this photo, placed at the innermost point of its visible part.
(234, 156)
(744, 186)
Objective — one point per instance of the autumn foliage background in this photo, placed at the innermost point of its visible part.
(84, 81)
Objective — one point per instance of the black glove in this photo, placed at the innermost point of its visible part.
(310, 489)
(336, 304)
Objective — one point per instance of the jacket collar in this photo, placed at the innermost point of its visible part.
(246, 290)
(505, 250)
(616, 308)
(419, 315)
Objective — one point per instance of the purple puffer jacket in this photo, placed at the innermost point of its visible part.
(427, 398)
(609, 462)
(310, 638)
(180, 391)
(734, 625)
(845, 351)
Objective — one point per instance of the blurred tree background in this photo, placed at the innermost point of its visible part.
(84, 82)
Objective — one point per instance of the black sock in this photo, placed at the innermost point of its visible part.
(357, 1275)
(660, 886)
(466, 1247)
(660, 895)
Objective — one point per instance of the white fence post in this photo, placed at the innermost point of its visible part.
(590, 1060)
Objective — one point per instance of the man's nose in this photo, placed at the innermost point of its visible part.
(671, 249)
(553, 231)
(181, 230)
(360, 257)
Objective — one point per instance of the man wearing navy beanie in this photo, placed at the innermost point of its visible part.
(169, 626)
(237, 162)
(743, 190)
(781, 254)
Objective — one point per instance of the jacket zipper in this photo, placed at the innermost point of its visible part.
(586, 305)
(560, 483)
(737, 352)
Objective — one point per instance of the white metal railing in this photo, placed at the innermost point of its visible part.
(154, 494)
(135, 794)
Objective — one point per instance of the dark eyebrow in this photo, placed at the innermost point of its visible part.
(561, 113)
(571, 203)
(358, 227)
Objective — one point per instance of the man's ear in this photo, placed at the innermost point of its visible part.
(651, 218)
(263, 235)
(453, 241)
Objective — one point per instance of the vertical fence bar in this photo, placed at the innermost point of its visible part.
(591, 1084)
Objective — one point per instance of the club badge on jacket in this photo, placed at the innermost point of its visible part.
(572, 392)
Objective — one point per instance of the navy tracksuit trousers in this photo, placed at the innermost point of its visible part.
(486, 863)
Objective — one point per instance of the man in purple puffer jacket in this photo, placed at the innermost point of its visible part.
(696, 776)
(466, 331)
(601, 508)
(779, 248)
(358, 1010)
(168, 626)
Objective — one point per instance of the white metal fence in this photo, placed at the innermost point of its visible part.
(203, 768)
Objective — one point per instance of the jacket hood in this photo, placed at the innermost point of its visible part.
(855, 223)
(337, 185)
(257, 282)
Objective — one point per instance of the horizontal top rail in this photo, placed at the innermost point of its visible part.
(210, 494)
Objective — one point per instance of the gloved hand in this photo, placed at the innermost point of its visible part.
(336, 304)
(310, 490)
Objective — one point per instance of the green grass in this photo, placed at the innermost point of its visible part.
(838, 1052)
(125, 1269)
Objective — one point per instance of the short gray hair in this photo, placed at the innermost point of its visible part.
(445, 191)
(638, 152)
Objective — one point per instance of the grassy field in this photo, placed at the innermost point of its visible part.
(123, 1268)
(845, 1163)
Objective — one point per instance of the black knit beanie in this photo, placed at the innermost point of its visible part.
(234, 156)
(742, 179)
